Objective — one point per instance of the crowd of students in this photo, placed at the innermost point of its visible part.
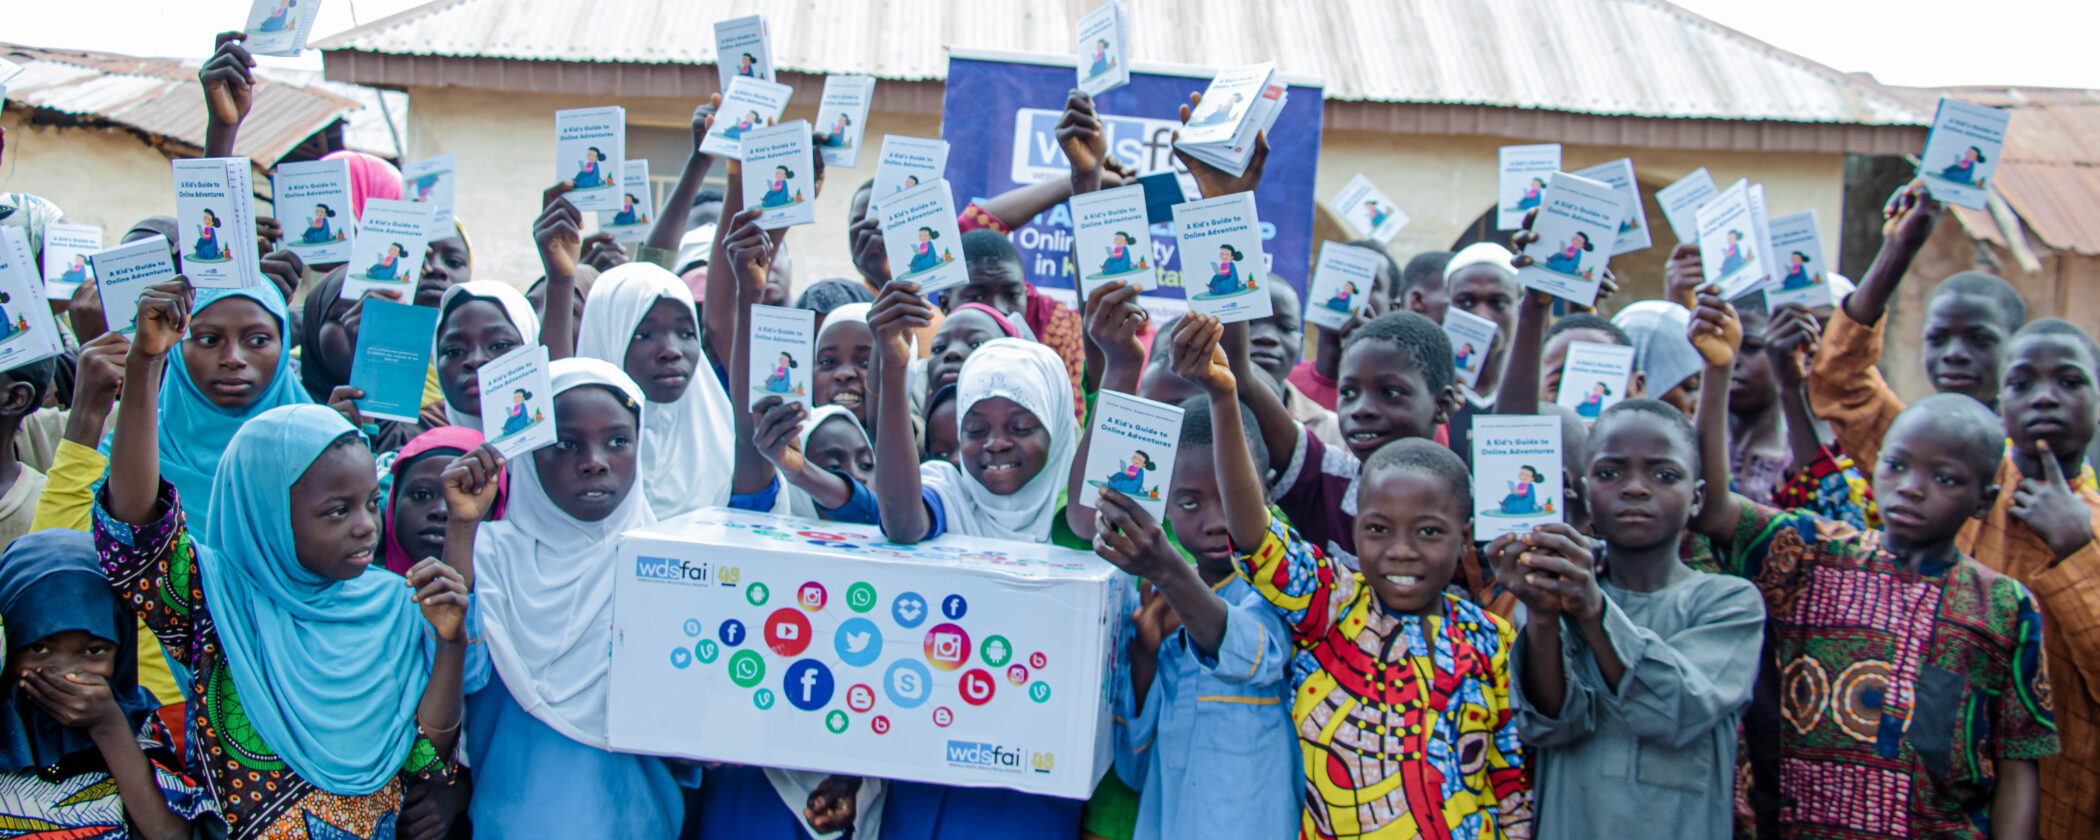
(1780, 603)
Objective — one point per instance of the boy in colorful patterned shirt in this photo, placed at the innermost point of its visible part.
(1400, 690)
(1913, 687)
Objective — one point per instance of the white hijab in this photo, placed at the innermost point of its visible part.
(545, 583)
(692, 442)
(514, 305)
(798, 501)
(1034, 377)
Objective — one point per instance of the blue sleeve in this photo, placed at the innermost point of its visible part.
(478, 671)
(761, 501)
(1256, 647)
(861, 509)
(722, 376)
(1135, 727)
(937, 514)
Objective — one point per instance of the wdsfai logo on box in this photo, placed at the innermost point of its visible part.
(984, 756)
(668, 570)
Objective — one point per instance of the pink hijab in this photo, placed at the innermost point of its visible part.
(370, 177)
(457, 438)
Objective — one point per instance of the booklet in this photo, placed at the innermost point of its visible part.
(781, 359)
(1763, 234)
(214, 211)
(1797, 246)
(66, 252)
(1104, 49)
(1220, 239)
(1341, 284)
(317, 192)
(1962, 151)
(1113, 239)
(780, 175)
(589, 146)
(1471, 338)
(1516, 474)
(1633, 227)
(393, 351)
(1132, 450)
(1577, 222)
(387, 254)
(121, 273)
(1225, 104)
(919, 232)
(8, 70)
(431, 181)
(1233, 155)
(1595, 377)
(1521, 182)
(280, 27)
(742, 50)
(28, 332)
(1680, 203)
(748, 104)
(1727, 236)
(630, 223)
(517, 400)
(1369, 212)
(842, 119)
(907, 162)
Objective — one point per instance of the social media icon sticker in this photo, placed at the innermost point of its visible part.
(811, 596)
(860, 698)
(881, 725)
(858, 642)
(807, 684)
(977, 687)
(836, 722)
(860, 597)
(947, 647)
(996, 651)
(909, 610)
(732, 633)
(763, 699)
(907, 684)
(787, 631)
(1039, 692)
(693, 628)
(747, 668)
(1017, 674)
(757, 593)
(680, 658)
(954, 607)
(942, 717)
(706, 650)
(1038, 661)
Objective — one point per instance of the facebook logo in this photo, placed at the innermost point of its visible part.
(807, 685)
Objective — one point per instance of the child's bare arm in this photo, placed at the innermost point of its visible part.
(1112, 321)
(1718, 335)
(1196, 357)
(898, 311)
(678, 204)
(2015, 800)
(750, 256)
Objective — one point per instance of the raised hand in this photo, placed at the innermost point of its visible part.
(778, 433)
(2052, 510)
(1196, 354)
(869, 254)
(1502, 556)
(163, 317)
(559, 232)
(703, 119)
(1084, 141)
(284, 267)
(601, 252)
(1127, 536)
(751, 250)
(76, 700)
(84, 312)
(1790, 342)
(1683, 274)
(471, 481)
(834, 804)
(898, 312)
(1715, 330)
(1212, 181)
(1113, 318)
(98, 374)
(344, 400)
(229, 81)
(1909, 216)
(1558, 562)
(441, 592)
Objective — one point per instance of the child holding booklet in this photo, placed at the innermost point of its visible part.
(478, 321)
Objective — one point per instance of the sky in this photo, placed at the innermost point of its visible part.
(1923, 43)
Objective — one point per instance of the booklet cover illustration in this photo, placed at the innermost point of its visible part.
(1225, 103)
(121, 273)
(781, 341)
(1516, 474)
(742, 50)
(1680, 203)
(318, 190)
(431, 181)
(1728, 242)
(1578, 220)
(589, 147)
(1341, 284)
(1804, 278)
(1471, 338)
(388, 252)
(780, 176)
(28, 331)
(279, 27)
(1633, 226)
(1113, 239)
(907, 162)
(517, 401)
(842, 119)
(1104, 49)
(1223, 270)
(749, 104)
(1595, 377)
(1368, 211)
(919, 232)
(1962, 151)
(630, 223)
(1521, 181)
(67, 249)
(1133, 449)
(214, 211)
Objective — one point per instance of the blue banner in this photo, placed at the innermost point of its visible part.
(1000, 121)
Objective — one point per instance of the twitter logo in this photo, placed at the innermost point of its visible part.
(858, 642)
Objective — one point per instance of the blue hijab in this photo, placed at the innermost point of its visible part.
(193, 431)
(50, 582)
(329, 672)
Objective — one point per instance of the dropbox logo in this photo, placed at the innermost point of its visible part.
(668, 570)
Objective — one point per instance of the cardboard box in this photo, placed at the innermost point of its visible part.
(773, 641)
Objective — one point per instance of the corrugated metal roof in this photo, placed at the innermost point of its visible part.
(161, 97)
(2049, 170)
(1615, 57)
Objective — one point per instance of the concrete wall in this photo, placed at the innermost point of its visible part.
(98, 176)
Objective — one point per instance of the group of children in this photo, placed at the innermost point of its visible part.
(1777, 601)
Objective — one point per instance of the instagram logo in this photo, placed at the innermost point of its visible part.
(811, 596)
(947, 647)
(976, 687)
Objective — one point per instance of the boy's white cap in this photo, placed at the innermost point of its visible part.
(1479, 253)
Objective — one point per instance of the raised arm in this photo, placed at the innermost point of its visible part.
(1718, 335)
(1197, 357)
(134, 453)
(1908, 220)
(898, 311)
(229, 91)
(1793, 334)
(720, 321)
(558, 233)
(750, 258)
(1112, 321)
(1518, 392)
(678, 205)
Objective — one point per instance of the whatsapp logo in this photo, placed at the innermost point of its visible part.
(860, 597)
(757, 594)
(836, 722)
(747, 668)
(706, 650)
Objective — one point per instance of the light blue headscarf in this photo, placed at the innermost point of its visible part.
(329, 672)
(193, 431)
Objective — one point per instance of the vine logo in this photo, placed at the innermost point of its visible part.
(984, 756)
(707, 650)
(763, 699)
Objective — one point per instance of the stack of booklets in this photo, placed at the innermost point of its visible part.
(1240, 104)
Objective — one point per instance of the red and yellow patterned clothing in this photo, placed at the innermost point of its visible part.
(154, 567)
(1898, 690)
(1403, 721)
